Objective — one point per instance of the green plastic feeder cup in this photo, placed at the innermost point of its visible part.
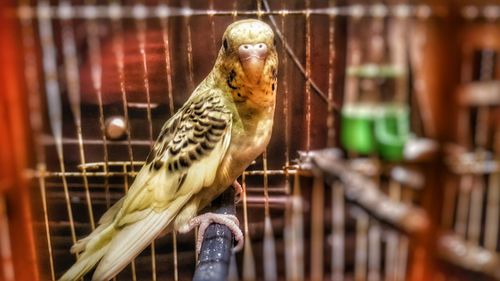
(392, 131)
(357, 124)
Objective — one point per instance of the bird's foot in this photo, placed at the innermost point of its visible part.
(238, 191)
(204, 220)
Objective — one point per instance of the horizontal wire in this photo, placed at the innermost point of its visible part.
(117, 186)
(49, 174)
(115, 11)
(49, 140)
(97, 165)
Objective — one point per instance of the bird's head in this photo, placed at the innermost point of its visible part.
(247, 57)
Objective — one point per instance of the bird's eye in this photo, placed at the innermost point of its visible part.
(225, 45)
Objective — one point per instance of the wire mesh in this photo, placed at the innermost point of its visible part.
(103, 77)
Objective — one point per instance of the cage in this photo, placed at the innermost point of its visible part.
(90, 83)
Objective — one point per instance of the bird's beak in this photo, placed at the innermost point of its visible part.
(253, 58)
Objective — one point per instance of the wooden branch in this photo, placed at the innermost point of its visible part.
(458, 251)
(364, 192)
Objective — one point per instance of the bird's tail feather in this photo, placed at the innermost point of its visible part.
(113, 248)
(131, 240)
(95, 248)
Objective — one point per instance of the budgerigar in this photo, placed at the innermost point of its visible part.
(224, 125)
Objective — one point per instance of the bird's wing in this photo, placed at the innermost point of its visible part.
(185, 159)
(193, 145)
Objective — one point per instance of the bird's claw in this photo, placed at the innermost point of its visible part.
(204, 220)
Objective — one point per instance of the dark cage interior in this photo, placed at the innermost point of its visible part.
(383, 161)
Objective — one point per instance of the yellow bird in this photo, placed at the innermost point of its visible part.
(201, 150)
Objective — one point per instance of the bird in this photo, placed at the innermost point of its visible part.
(225, 124)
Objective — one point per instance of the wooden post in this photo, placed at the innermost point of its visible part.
(14, 143)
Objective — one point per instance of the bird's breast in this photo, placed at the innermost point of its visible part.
(247, 143)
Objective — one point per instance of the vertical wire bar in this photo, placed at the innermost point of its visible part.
(374, 252)
(269, 260)
(168, 67)
(476, 199)
(235, 10)
(463, 132)
(398, 45)
(41, 182)
(286, 105)
(493, 207)
(417, 43)
(402, 258)
(187, 20)
(391, 265)
(141, 26)
(269, 252)
(338, 240)
(268, 270)
(33, 87)
(269, 257)
(212, 26)
(296, 261)
(404, 242)
(94, 52)
(117, 28)
(492, 213)
(189, 46)
(481, 137)
(196, 230)
(264, 155)
(117, 31)
(391, 255)
(354, 56)
(73, 87)
(259, 9)
(463, 204)
(330, 119)
(476, 209)
(289, 247)
(176, 263)
(53, 99)
(308, 76)
(450, 194)
(317, 228)
(361, 247)
(266, 184)
(248, 257)
(126, 187)
(404, 87)
(190, 55)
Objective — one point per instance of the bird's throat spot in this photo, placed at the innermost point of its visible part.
(230, 80)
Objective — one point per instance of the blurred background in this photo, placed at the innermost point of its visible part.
(384, 159)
